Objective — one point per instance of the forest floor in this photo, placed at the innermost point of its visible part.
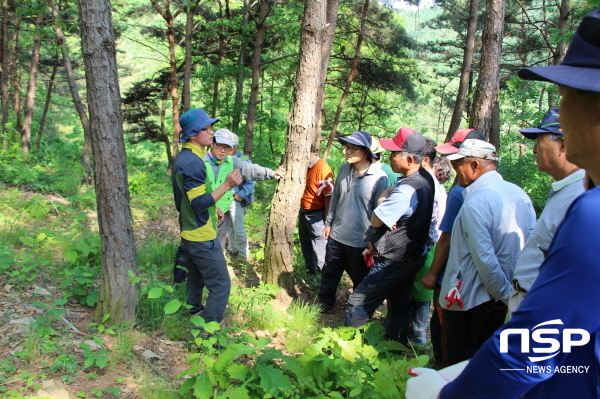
(53, 367)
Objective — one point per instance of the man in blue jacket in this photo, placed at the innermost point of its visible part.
(551, 346)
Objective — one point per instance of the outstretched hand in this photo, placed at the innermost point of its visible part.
(234, 178)
(279, 173)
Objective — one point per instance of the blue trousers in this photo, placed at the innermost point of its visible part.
(207, 268)
(386, 280)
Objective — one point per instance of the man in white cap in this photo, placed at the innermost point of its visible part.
(517, 362)
(489, 232)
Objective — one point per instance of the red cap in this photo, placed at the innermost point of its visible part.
(457, 139)
(405, 139)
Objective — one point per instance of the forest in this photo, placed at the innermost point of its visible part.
(91, 96)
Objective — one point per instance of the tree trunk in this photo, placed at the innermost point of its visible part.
(15, 74)
(163, 130)
(170, 20)
(280, 229)
(353, 68)
(187, 68)
(488, 83)
(221, 52)
(118, 295)
(254, 86)
(31, 88)
(239, 90)
(332, 13)
(47, 103)
(4, 63)
(466, 70)
(80, 107)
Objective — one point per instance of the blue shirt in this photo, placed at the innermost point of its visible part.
(400, 204)
(489, 232)
(566, 289)
(453, 204)
(245, 189)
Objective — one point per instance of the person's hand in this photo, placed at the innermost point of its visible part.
(234, 178)
(237, 197)
(370, 246)
(220, 215)
(384, 195)
(428, 281)
(394, 227)
(428, 383)
(279, 173)
(326, 231)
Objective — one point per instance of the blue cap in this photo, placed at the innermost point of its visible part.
(192, 122)
(359, 138)
(580, 69)
(549, 124)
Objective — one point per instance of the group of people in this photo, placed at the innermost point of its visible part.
(477, 251)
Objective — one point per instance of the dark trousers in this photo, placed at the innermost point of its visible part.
(466, 331)
(207, 268)
(392, 281)
(339, 258)
(310, 229)
(435, 327)
(181, 265)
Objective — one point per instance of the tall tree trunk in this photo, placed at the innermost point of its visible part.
(187, 66)
(118, 295)
(466, 69)
(15, 74)
(221, 52)
(303, 120)
(239, 90)
(4, 63)
(563, 19)
(80, 107)
(332, 14)
(353, 68)
(163, 130)
(169, 18)
(488, 83)
(47, 103)
(31, 88)
(254, 86)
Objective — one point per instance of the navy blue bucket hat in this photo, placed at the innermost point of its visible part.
(192, 122)
(580, 69)
(549, 124)
(359, 138)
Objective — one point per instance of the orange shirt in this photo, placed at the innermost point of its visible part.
(318, 172)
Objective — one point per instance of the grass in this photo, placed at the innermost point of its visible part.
(302, 327)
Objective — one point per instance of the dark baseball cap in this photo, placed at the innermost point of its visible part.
(580, 69)
(406, 139)
(549, 124)
(452, 146)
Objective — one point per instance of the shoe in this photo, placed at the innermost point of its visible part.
(325, 308)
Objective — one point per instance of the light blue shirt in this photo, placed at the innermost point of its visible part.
(562, 194)
(489, 232)
(400, 204)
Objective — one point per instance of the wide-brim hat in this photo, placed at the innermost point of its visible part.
(580, 68)
(192, 122)
(376, 148)
(359, 138)
(405, 140)
(549, 124)
(452, 146)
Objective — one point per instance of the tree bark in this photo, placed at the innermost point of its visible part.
(353, 68)
(4, 63)
(466, 70)
(46, 103)
(187, 66)
(15, 74)
(31, 89)
(118, 295)
(332, 14)
(488, 83)
(254, 86)
(80, 107)
(239, 90)
(169, 18)
(280, 230)
(215, 94)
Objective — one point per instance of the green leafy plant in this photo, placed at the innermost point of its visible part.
(99, 359)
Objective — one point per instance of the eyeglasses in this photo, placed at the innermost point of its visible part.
(208, 128)
(222, 146)
(351, 150)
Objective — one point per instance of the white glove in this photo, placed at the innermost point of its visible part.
(428, 383)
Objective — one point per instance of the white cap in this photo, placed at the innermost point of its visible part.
(224, 136)
(476, 149)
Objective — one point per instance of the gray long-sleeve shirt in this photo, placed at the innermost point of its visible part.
(352, 203)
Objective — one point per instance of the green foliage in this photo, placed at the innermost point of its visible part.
(303, 326)
(251, 306)
(344, 362)
(98, 358)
